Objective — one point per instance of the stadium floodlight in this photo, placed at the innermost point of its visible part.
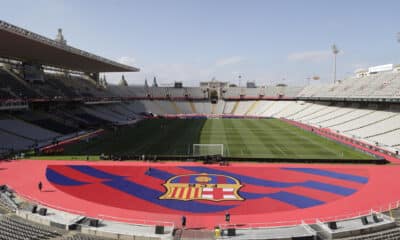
(313, 77)
(208, 149)
(308, 80)
(335, 51)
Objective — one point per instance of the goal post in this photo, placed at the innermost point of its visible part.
(208, 149)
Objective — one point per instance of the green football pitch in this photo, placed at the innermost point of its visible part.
(255, 138)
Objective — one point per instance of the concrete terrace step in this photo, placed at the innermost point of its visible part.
(192, 234)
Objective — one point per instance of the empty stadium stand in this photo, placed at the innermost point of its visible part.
(83, 237)
(71, 101)
(7, 203)
(391, 234)
(381, 85)
(12, 227)
(26, 130)
(13, 88)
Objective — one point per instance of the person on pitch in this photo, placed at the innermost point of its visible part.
(183, 222)
(227, 217)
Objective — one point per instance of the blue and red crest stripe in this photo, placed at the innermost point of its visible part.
(304, 187)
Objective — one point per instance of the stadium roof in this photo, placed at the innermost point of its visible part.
(23, 45)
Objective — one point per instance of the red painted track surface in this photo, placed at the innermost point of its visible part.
(380, 191)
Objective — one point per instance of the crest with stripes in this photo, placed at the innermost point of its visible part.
(203, 186)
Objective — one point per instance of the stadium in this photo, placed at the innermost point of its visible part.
(85, 159)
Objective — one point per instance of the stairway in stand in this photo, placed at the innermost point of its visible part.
(176, 108)
(193, 107)
(192, 234)
(252, 107)
(213, 108)
(235, 107)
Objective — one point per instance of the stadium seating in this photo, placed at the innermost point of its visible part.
(184, 107)
(375, 123)
(370, 122)
(310, 91)
(292, 91)
(10, 142)
(254, 92)
(7, 203)
(194, 92)
(234, 92)
(201, 107)
(138, 91)
(5, 94)
(90, 119)
(377, 85)
(106, 114)
(229, 107)
(390, 138)
(158, 92)
(83, 237)
(334, 113)
(67, 104)
(312, 109)
(26, 130)
(54, 82)
(260, 107)
(12, 227)
(164, 107)
(243, 107)
(49, 121)
(273, 233)
(13, 87)
(218, 108)
(347, 117)
(391, 234)
(277, 109)
(174, 92)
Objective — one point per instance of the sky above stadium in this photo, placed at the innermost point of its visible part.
(185, 40)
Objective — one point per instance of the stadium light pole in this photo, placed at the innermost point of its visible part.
(335, 51)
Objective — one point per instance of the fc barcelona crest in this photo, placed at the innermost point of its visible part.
(203, 186)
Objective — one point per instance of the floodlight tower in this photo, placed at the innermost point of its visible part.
(335, 51)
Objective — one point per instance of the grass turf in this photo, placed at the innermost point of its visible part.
(254, 138)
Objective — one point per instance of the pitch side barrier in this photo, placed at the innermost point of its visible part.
(59, 145)
(189, 98)
(272, 98)
(149, 97)
(205, 116)
(222, 160)
(133, 221)
(380, 209)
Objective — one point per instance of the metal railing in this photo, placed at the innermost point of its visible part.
(134, 221)
(291, 223)
(256, 225)
(137, 221)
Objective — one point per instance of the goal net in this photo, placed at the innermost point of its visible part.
(208, 149)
